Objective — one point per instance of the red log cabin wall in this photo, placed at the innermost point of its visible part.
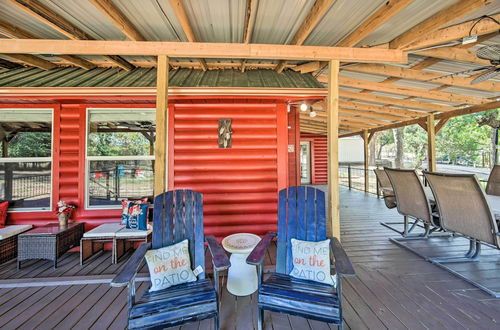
(319, 157)
(239, 184)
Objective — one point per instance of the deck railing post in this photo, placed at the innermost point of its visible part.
(349, 176)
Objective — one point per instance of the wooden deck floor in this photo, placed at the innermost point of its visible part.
(394, 289)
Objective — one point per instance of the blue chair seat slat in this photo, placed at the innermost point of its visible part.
(175, 317)
(163, 301)
(178, 290)
(318, 301)
(288, 282)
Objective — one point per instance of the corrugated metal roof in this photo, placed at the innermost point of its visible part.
(341, 19)
(413, 14)
(141, 77)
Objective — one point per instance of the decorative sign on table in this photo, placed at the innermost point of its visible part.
(225, 133)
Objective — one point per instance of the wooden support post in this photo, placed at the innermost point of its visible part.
(431, 143)
(365, 149)
(161, 146)
(333, 148)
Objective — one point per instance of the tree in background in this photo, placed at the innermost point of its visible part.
(490, 118)
(399, 140)
(415, 143)
(462, 140)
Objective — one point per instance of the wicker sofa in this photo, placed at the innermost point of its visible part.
(8, 241)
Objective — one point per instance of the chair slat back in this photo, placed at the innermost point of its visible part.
(411, 199)
(493, 185)
(385, 185)
(178, 215)
(463, 207)
(301, 215)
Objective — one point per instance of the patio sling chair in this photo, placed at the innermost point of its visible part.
(412, 202)
(178, 215)
(384, 184)
(493, 185)
(301, 215)
(464, 210)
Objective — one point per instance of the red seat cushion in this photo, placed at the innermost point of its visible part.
(3, 213)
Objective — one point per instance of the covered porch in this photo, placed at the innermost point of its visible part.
(394, 289)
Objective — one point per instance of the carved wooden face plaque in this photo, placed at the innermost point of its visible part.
(225, 133)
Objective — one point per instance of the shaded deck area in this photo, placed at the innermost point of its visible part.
(395, 289)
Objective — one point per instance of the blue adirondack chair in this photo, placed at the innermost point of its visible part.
(301, 215)
(178, 215)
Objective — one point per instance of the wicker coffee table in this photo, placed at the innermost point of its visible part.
(48, 242)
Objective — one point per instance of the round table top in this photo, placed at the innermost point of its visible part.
(240, 243)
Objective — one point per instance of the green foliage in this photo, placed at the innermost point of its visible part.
(463, 139)
(415, 143)
(117, 144)
(30, 144)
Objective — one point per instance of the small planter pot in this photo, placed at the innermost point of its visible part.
(63, 220)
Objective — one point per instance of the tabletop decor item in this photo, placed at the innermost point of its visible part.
(64, 212)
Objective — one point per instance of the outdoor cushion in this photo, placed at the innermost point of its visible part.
(104, 230)
(3, 213)
(170, 265)
(127, 208)
(130, 233)
(311, 261)
(10, 231)
(138, 215)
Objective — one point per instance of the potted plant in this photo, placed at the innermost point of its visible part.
(64, 212)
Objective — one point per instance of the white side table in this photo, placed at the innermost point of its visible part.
(242, 277)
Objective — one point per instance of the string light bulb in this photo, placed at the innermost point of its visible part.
(312, 114)
(303, 107)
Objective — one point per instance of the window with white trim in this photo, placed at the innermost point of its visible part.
(26, 158)
(120, 155)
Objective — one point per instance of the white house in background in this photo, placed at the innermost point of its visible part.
(351, 150)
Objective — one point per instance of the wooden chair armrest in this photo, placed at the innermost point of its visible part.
(259, 251)
(219, 257)
(128, 272)
(343, 265)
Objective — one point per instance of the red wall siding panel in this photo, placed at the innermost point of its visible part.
(239, 184)
(320, 157)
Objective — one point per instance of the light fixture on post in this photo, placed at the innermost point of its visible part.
(312, 114)
(303, 107)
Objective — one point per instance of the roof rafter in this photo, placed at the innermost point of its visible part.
(118, 19)
(318, 10)
(33, 61)
(398, 102)
(443, 17)
(11, 31)
(456, 32)
(251, 13)
(415, 92)
(454, 54)
(441, 78)
(381, 109)
(181, 14)
(382, 15)
(37, 10)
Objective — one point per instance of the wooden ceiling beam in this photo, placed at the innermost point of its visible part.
(382, 15)
(362, 120)
(441, 78)
(251, 13)
(397, 102)
(454, 54)
(118, 19)
(443, 17)
(414, 92)
(456, 32)
(39, 11)
(371, 114)
(382, 109)
(203, 50)
(11, 31)
(180, 13)
(8, 64)
(32, 60)
(318, 10)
